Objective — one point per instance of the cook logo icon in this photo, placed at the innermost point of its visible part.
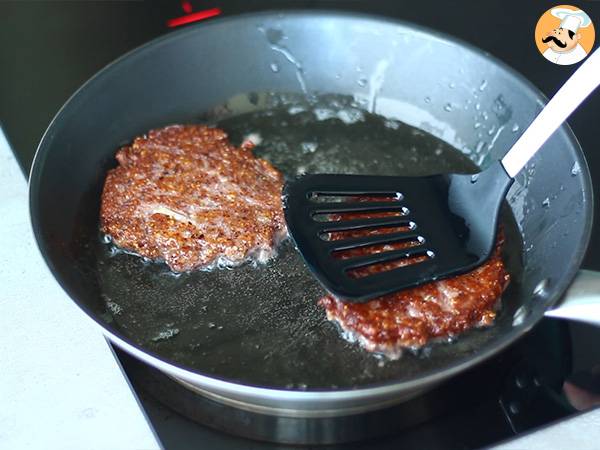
(564, 35)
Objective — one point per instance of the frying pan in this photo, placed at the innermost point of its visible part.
(327, 91)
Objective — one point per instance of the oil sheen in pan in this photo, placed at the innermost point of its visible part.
(261, 325)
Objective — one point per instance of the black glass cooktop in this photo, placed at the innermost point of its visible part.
(514, 392)
(48, 49)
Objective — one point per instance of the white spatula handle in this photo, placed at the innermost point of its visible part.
(570, 95)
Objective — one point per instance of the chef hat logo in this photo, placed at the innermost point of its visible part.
(564, 34)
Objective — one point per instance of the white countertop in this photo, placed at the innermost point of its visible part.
(581, 432)
(60, 385)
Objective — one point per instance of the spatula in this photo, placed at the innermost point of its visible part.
(416, 229)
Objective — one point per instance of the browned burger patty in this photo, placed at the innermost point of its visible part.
(185, 195)
(413, 317)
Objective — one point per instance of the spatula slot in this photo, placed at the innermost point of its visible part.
(328, 197)
(368, 231)
(367, 260)
(408, 259)
(337, 217)
(369, 223)
(351, 248)
(358, 207)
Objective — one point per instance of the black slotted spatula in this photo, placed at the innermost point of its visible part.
(367, 236)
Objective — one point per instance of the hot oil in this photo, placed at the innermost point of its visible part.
(262, 325)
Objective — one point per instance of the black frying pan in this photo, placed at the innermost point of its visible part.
(327, 92)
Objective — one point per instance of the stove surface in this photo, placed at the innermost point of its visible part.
(53, 47)
(514, 392)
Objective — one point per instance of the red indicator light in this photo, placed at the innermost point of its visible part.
(194, 17)
(186, 6)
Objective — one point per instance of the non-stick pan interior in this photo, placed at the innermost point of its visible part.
(261, 326)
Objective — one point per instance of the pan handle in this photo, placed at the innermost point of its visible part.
(581, 301)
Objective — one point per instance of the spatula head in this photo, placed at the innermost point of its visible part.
(367, 236)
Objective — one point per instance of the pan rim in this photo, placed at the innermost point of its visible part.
(308, 396)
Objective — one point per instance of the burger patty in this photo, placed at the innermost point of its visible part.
(413, 317)
(185, 195)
